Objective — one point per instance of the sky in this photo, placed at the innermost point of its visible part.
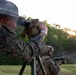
(62, 12)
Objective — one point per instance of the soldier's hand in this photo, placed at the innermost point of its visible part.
(32, 30)
(43, 28)
(36, 27)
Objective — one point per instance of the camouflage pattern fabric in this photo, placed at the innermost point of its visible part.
(50, 66)
(10, 43)
(8, 8)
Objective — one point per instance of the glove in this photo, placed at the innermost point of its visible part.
(32, 30)
(34, 22)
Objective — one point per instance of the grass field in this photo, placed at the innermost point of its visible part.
(67, 69)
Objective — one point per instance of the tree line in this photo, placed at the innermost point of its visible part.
(63, 43)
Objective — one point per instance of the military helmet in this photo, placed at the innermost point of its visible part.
(8, 8)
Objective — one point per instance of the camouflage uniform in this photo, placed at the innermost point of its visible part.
(50, 66)
(10, 43)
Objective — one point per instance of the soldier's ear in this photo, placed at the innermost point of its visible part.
(6, 20)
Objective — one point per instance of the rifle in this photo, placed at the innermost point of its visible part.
(60, 60)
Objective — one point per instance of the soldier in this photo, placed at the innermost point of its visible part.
(49, 64)
(10, 42)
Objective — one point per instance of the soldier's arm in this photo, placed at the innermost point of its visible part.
(13, 45)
